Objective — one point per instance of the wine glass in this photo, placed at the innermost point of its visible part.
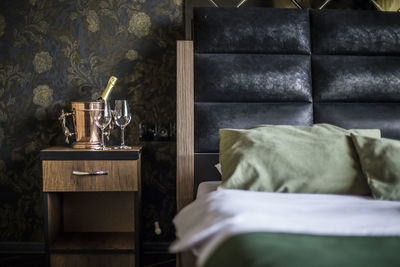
(102, 119)
(122, 117)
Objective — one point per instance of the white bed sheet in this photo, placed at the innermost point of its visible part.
(207, 187)
(213, 217)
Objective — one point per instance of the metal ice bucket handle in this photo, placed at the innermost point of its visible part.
(63, 120)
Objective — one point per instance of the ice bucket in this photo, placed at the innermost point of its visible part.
(87, 134)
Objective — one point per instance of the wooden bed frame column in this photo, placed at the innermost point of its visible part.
(185, 124)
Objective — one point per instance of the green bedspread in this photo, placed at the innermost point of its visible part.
(298, 250)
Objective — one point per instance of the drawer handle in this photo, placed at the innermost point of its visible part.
(79, 173)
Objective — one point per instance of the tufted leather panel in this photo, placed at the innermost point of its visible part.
(251, 30)
(246, 73)
(384, 116)
(252, 78)
(356, 78)
(210, 117)
(355, 32)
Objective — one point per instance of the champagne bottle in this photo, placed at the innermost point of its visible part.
(110, 85)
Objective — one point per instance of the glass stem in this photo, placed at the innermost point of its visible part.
(122, 137)
(102, 138)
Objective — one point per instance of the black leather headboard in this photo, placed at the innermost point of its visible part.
(287, 66)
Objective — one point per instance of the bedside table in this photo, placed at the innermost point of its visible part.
(92, 219)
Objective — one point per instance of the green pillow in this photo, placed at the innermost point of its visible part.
(380, 163)
(295, 159)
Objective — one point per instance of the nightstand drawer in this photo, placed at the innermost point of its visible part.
(122, 175)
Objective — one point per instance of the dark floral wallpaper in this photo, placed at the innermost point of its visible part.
(56, 51)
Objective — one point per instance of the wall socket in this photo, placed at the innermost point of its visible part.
(157, 132)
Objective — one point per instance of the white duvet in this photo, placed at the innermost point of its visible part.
(210, 219)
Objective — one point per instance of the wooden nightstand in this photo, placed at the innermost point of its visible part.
(92, 220)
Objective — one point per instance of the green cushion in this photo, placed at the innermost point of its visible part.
(295, 159)
(380, 162)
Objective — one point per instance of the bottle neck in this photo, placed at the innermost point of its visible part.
(108, 89)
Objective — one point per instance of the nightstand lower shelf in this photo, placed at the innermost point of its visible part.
(92, 228)
(111, 242)
(85, 260)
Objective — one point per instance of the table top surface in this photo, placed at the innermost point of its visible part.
(69, 153)
(70, 149)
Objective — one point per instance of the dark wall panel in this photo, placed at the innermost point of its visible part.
(252, 78)
(356, 78)
(210, 117)
(255, 31)
(384, 116)
(361, 33)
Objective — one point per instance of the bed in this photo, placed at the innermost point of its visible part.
(260, 66)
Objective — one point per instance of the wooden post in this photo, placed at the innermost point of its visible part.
(185, 124)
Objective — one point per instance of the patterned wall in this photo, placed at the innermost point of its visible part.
(56, 51)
